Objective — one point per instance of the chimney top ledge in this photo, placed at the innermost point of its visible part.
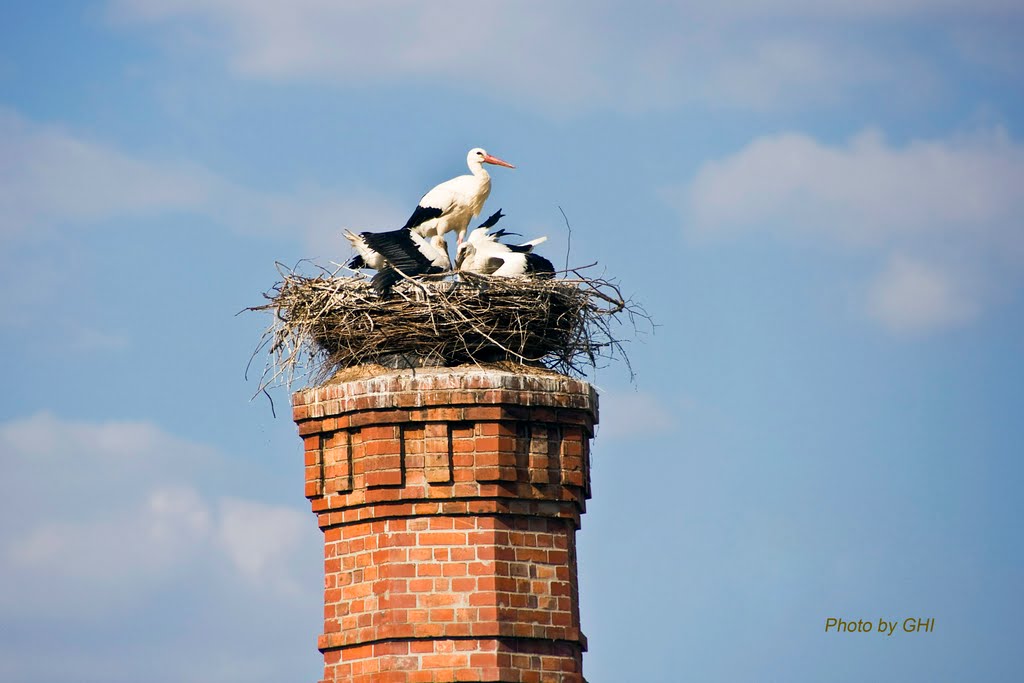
(437, 380)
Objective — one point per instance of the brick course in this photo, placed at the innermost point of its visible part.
(449, 500)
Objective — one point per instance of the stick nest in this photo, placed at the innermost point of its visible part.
(326, 323)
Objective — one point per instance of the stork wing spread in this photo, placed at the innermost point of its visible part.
(402, 253)
(399, 249)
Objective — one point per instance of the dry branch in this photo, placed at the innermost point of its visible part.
(326, 323)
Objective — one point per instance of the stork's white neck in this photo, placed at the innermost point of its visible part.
(476, 167)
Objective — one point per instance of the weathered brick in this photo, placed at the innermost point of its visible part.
(449, 501)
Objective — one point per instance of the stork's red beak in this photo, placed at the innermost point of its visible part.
(488, 159)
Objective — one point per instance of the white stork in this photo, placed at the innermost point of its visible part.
(365, 256)
(399, 250)
(483, 254)
(451, 205)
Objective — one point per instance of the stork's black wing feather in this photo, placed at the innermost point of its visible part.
(421, 215)
(356, 262)
(492, 219)
(400, 251)
(387, 277)
(502, 232)
(384, 279)
(539, 267)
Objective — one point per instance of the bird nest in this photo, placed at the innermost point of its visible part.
(326, 323)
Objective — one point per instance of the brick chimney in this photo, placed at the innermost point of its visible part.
(449, 499)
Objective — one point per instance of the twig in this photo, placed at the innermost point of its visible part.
(568, 239)
(324, 323)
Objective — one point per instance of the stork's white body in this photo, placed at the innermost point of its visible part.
(460, 200)
(450, 206)
(435, 249)
(371, 259)
(483, 254)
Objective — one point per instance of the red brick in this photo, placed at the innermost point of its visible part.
(383, 477)
(391, 648)
(451, 539)
(441, 615)
(440, 599)
(444, 661)
(442, 538)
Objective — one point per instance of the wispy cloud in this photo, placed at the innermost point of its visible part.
(56, 184)
(108, 523)
(936, 202)
(867, 191)
(49, 176)
(911, 296)
(131, 517)
(42, 440)
(263, 541)
(167, 530)
(483, 46)
(54, 180)
(555, 57)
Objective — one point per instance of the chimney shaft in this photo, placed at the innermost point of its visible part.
(449, 500)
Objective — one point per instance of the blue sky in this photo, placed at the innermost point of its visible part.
(820, 203)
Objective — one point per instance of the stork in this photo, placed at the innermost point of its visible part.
(365, 256)
(451, 205)
(396, 253)
(483, 254)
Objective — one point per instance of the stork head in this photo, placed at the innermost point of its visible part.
(478, 157)
(442, 246)
(464, 250)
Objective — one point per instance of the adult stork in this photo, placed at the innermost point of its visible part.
(451, 205)
(399, 252)
(483, 254)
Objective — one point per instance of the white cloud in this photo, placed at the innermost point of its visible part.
(940, 202)
(53, 180)
(262, 539)
(468, 44)
(119, 548)
(913, 296)
(865, 191)
(116, 541)
(48, 176)
(122, 449)
(102, 515)
(55, 183)
(558, 58)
